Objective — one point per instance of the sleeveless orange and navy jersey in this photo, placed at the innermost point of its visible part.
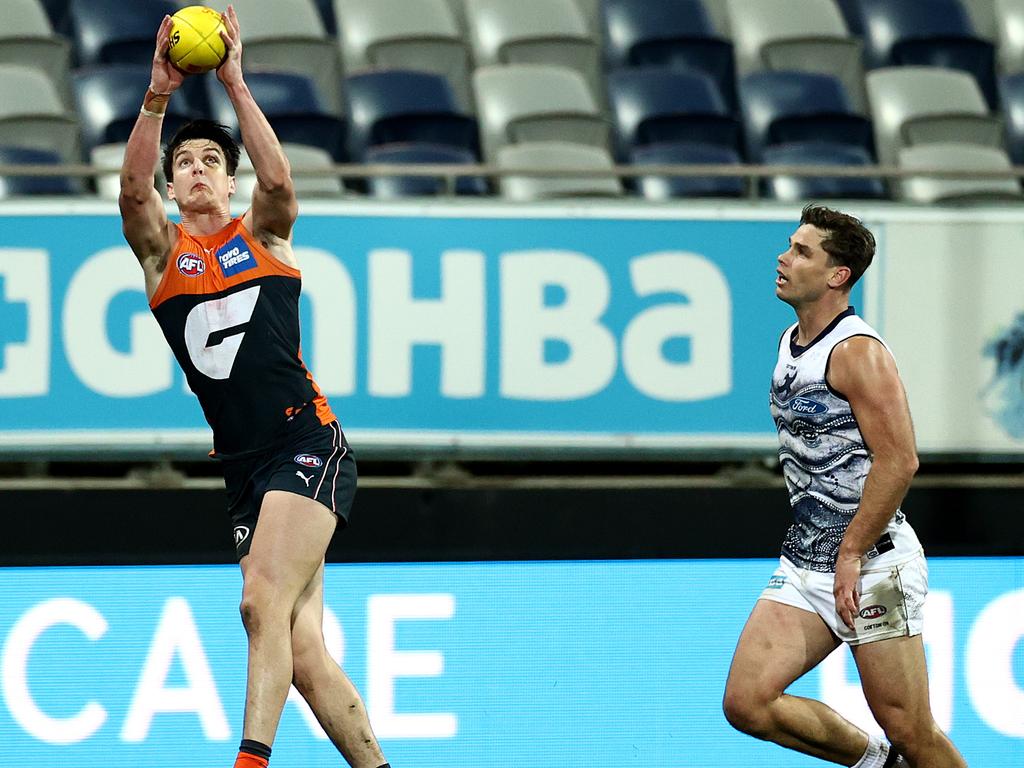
(230, 312)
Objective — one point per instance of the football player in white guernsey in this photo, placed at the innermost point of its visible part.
(852, 569)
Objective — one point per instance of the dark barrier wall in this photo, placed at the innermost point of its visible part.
(54, 527)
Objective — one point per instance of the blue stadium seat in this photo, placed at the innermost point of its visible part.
(781, 107)
(794, 188)
(403, 106)
(667, 187)
(929, 33)
(35, 185)
(422, 186)
(1011, 92)
(677, 35)
(651, 106)
(106, 32)
(108, 100)
(293, 108)
(59, 14)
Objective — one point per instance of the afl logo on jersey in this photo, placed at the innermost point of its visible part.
(191, 265)
(234, 257)
(806, 405)
(307, 460)
(241, 534)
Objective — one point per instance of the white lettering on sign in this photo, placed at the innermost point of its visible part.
(14, 666)
(386, 664)
(176, 637)
(398, 322)
(147, 367)
(992, 683)
(25, 364)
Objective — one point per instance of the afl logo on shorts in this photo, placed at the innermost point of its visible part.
(872, 612)
(191, 265)
(241, 534)
(307, 460)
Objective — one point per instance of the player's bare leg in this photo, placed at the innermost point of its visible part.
(780, 644)
(325, 687)
(895, 681)
(288, 547)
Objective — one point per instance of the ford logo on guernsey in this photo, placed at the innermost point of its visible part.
(234, 257)
(191, 265)
(307, 460)
(806, 405)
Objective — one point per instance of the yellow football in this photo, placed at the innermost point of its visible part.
(195, 42)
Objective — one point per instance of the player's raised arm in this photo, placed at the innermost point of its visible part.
(143, 217)
(274, 207)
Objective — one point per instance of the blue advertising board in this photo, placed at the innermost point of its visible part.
(489, 326)
(482, 665)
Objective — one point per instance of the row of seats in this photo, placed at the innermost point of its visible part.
(675, 106)
(659, 116)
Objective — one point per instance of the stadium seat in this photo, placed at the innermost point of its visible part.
(300, 157)
(58, 11)
(108, 185)
(1010, 35)
(956, 155)
(292, 105)
(799, 35)
(401, 106)
(718, 12)
(800, 188)
(289, 36)
(536, 103)
(32, 114)
(851, 13)
(919, 105)
(422, 186)
(656, 187)
(556, 154)
(652, 105)
(12, 186)
(27, 38)
(783, 107)
(108, 98)
(552, 32)
(983, 17)
(677, 34)
(927, 33)
(1011, 94)
(104, 33)
(406, 34)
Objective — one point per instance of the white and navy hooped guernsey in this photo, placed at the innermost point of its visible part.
(823, 454)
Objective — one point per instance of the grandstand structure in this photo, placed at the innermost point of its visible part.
(746, 99)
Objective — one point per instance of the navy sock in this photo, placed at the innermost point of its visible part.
(251, 747)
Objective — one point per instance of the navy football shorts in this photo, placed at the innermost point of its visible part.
(319, 465)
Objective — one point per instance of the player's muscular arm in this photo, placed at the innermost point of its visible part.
(274, 207)
(144, 219)
(864, 371)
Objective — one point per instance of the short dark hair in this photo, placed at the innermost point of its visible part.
(847, 241)
(202, 129)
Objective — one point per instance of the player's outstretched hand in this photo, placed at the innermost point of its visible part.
(846, 589)
(165, 78)
(230, 72)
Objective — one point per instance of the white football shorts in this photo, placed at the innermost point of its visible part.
(891, 600)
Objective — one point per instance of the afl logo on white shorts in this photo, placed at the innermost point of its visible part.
(241, 534)
(307, 460)
(191, 265)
